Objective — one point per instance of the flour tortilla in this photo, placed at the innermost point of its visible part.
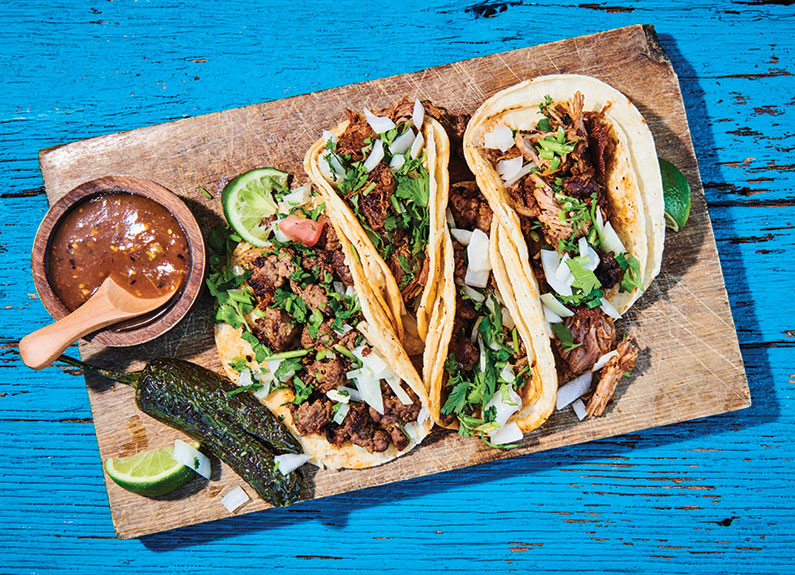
(380, 335)
(411, 325)
(634, 185)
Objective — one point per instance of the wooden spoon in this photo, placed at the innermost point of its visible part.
(110, 304)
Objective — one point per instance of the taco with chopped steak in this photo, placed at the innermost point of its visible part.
(485, 372)
(378, 173)
(569, 167)
(294, 328)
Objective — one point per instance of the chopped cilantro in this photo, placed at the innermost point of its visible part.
(259, 348)
(286, 366)
(584, 279)
(238, 363)
(302, 391)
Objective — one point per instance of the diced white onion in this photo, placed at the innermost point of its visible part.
(504, 409)
(508, 433)
(573, 390)
(379, 124)
(587, 251)
(526, 169)
(376, 155)
(400, 393)
(423, 416)
(416, 146)
(298, 196)
(402, 143)
(579, 409)
(278, 233)
(289, 462)
(335, 395)
(477, 279)
(449, 217)
(564, 271)
(482, 358)
(507, 373)
(551, 316)
(234, 498)
(350, 291)
(191, 457)
(507, 319)
(500, 138)
(550, 262)
(474, 294)
(339, 287)
(461, 236)
(329, 135)
(610, 309)
(397, 162)
(473, 336)
(602, 361)
(342, 411)
(336, 165)
(244, 378)
(328, 174)
(611, 240)
(418, 114)
(507, 169)
(353, 393)
(553, 304)
(478, 251)
(344, 329)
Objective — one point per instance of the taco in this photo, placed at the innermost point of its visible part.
(484, 374)
(377, 173)
(314, 347)
(570, 169)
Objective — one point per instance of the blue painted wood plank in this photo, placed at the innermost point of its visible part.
(699, 497)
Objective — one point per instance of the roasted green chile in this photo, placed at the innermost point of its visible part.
(238, 429)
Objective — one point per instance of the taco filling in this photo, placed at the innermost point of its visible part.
(487, 365)
(303, 319)
(554, 171)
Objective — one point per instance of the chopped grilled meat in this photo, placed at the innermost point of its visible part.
(469, 207)
(466, 352)
(329, 373)
(455, 125)
(496, 156)
(522, 199)
(341, 270)
(608, 272)
(276, 330)
(553, 229)
(525, 144)
(328, 238)
(598, 141)
(325, 336)
(465, 308)
(612, 372)
(351, 142)
(395, 411)
(415, 286)
(597, 334)
(313, 295)
(359, 428)
(268, 274)
(460, 259)
(312, 417)
(375, 203)
(397, 436)
(402, 113)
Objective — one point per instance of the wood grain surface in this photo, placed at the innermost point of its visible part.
(708, 496)
(690, 365)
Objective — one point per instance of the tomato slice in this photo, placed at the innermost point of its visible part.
(301, 229)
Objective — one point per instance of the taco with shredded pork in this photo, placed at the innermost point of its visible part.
(294, 327)
(379, 172)
(569, 167)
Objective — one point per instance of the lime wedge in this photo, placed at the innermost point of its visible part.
(248, 200)
(151, 473)
(676, 191)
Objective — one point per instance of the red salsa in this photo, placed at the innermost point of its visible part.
(127, 237)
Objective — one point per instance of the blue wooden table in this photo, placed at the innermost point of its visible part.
(708, 496)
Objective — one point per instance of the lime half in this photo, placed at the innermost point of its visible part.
(676, 191)
(248, 200)
(151, 473)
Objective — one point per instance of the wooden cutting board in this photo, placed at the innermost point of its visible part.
(689, 365)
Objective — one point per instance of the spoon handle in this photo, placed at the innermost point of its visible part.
(40, 348)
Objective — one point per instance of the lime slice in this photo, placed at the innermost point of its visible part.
(248, 200)
(151, 473)
(676, 191)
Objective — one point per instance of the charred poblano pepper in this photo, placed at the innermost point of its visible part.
(238, 430)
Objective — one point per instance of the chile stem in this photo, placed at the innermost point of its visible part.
(126, 378)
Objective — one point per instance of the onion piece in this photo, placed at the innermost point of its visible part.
(353, 393)
(191, 457)
(553, 304)
(508, 433)
(507, 373)
(507, 169)
(526, 169)
(573, 390)
(289, 462)
(504, 409)
(579, 409)
(329, 135)
(500, 138)
(339, 287)
(507, 319)
(463, 237)
(379, 124)
(610, 309)
(298, 196)
(402, 143)
(376, 155)
(336, 395)
(449, 217)
(394, 383)
(245, 378)
(416, 146)
(587, 251)
(563, 273)
(418, 114)
(612, 242)
(475, 295)
(397, 162)
(342, 411)
(551, 262)
(478, 251)
(602, 361)
(277, 232)
(234, 498)
(551, 316)
(477, 279)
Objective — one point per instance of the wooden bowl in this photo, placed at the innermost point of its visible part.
(133, 332)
